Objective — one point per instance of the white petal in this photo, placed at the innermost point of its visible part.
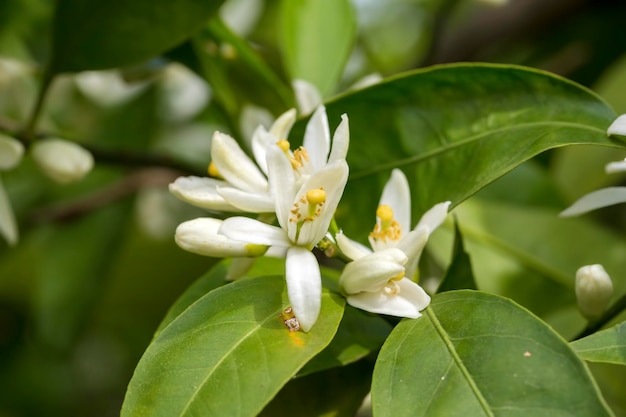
(371, 273)
(434, 217)
(201, 192)
(261, 139)
(253, 231)
(247, 201)
(8, 225)
(351, 248)
(201, 236)
(333, 178)
(413, 245)
(618, 127)
(281, 127)
(317, 138)
(307, 96)
(341, 140)
(613, 167)
(595, 200)
(11, 151)
(410, 300)
(234, 165)
(304, 286)
(397, 195)
(282, 183)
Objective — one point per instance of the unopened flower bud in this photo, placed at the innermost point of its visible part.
(11, 152)
(61, 160)
(618, 127)
(593, 290)
(200, 236)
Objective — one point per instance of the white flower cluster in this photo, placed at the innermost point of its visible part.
(302, 189)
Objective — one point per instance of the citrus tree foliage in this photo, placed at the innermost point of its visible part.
(337, 208)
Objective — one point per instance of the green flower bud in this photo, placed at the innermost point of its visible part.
(11, 152)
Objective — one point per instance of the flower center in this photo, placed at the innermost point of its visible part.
(392, 287)
(213, 171)
(298, 158)
(387, 227)
(309, 206)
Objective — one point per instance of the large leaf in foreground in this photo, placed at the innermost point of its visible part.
(454, 129)
(227, 354)
(608, 346)
(91, 34)
(476, 354)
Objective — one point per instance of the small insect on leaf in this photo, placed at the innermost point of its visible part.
(290, 320)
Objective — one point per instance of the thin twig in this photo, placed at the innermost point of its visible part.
(618, 307)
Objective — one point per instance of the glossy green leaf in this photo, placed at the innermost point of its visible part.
(317, 37)
(476, 354)
(216, 277)
(90, 34)
(459, 275)
(454, 129)
(229, 345)
(608, 346)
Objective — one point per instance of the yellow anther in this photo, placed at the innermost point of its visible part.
(384, 213)
(317, 196)
(397, 277)
(213, 171)
(284, 145)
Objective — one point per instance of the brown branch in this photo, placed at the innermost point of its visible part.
(70, 210)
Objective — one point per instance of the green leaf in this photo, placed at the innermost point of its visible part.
(229, 345)
(317, 37)
(91, 34)
(608, 346)
(459, 275)
(476, 354)
(454, 129)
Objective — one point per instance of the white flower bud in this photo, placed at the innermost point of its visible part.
(61, 160)
(618, 127)
(593, 290)
(200, 236)
(11, 152)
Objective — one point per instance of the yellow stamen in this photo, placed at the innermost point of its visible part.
(316, 196)
(213, 171)
(397, 277)
(386, 228)
(284, 145)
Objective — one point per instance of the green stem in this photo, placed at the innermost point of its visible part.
(29, 131)
(593, 326)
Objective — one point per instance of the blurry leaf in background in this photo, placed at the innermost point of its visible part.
(459, 275)
(93, 35)
(195, 362)
(72, 272)
(531, 256)
(317, 37)
(454, 359)
(336, 392)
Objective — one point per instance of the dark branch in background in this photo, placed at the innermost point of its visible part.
(130, 184)
(610, 314)
(110, 157)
